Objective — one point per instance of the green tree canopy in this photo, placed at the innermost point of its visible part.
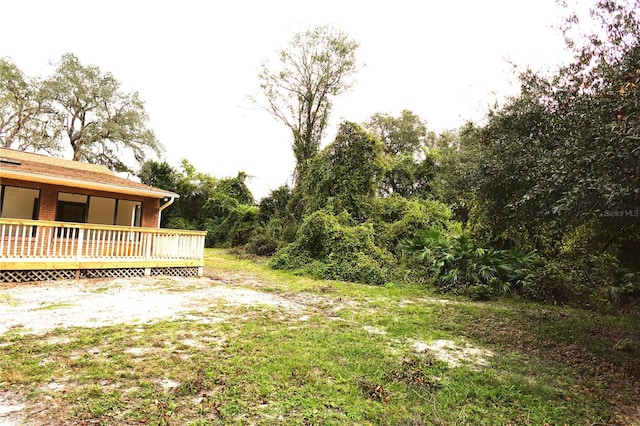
(101, 123)
(409, 167)
(565, 152)
(159, 174)
(27, 121)
(275, 205)
(345, 174)
(194, 188)
(406, 134)
(224, 207)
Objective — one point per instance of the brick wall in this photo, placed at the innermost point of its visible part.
(49, 200)
(150, 209)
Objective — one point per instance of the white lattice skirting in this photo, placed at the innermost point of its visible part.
(69, 274)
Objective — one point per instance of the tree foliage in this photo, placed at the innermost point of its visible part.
(225, 207)
(409, 166)
(547, 190)
(228, 222)
(100, 121)
(229, 214)
(159, 174)
(317, 65)
(565, 152)
(397, 218)
(77, 107)
(27, 120)
(458, 153)
(406, 134)
(348, 231)
(556, 169)
(194, 189)
(332, 246)
(345, 174)
(275, 205)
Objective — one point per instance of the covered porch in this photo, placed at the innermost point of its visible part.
(34, 250)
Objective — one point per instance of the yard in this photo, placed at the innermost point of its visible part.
(247, 345)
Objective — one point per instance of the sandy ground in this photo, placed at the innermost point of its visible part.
(41, 307)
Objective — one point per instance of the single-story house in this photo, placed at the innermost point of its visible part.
(67, 219)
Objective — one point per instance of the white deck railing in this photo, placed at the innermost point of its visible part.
(41, 241)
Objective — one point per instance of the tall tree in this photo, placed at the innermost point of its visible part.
(458, 153)
(409, 168)
(345, 174)
(565, 152)
(100, 121)
(406, 134)
(317, 65)
(159, 174)
(27, 121)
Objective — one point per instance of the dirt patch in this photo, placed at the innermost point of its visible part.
(41, 307)
(11, 408)
(455, 354)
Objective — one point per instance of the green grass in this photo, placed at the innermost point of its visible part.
(5, 299)
(54, 306)
(349, 358)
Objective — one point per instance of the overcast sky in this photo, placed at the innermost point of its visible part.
(195, 63)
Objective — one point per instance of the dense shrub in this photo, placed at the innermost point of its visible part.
(228, 222)
(265, 239)
(595, 281)
(276, 223)
(334, 247)
(345, 174)
(261, 244)
(397, 219)
(458, 266)
(454, 264)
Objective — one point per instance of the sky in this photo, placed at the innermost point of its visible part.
(195, 64)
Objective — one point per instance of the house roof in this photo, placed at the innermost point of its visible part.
(58, 171)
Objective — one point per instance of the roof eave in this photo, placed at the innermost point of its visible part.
(98, 186)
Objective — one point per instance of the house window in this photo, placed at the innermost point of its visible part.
(71, 208)
(19, 203)
(128, 213)
(99, 210)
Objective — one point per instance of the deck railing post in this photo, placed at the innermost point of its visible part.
(79, 244)
(148, 239)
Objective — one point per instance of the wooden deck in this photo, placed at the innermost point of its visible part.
(28, 245)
